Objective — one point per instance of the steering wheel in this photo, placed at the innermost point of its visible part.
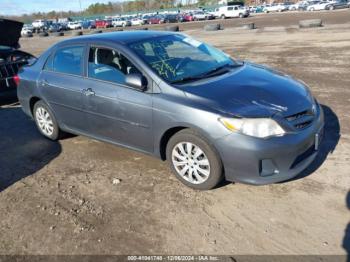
(182, 62)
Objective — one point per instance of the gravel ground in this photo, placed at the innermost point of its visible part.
(80, 196)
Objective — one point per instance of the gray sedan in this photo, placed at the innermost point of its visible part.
(179, 99)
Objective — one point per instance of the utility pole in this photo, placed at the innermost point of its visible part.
(81, 10)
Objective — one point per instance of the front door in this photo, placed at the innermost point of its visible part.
(116, 112)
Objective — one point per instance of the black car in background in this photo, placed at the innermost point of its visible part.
(170, 18)
(11, 59)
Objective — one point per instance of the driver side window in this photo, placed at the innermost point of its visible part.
(109, 65)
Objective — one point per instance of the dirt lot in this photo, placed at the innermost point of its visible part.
(59, 198)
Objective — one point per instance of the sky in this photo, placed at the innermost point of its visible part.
(19, 7)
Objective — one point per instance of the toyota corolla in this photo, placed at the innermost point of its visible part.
(166, 94)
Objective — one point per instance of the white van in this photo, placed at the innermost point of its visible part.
(231, 11)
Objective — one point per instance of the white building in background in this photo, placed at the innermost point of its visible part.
(222, 2)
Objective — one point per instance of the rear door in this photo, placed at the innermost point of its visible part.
(61, 83)
(116, 112)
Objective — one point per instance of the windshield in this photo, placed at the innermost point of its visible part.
(178, 57)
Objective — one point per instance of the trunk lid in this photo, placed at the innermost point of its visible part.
(10, 32)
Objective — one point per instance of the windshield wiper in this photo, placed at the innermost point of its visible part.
(214, 72)
(186, 79)
(219, 70)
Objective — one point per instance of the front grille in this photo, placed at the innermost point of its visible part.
(302, 119)
(296, 116)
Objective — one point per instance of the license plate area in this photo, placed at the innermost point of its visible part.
(318, 139)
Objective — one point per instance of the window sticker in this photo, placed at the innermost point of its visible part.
(192, 42)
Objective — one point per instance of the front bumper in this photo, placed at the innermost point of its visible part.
(257, 161)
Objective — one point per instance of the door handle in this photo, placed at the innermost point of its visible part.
(88, 92)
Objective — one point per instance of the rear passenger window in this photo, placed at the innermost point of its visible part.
(69, 60)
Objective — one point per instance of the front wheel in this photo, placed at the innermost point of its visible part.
(46, 121)
(193, 160)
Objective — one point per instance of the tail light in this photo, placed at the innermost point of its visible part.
(16, 79)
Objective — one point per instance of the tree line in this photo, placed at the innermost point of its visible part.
(116, 8)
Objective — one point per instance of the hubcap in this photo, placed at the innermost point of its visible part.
(44, 121)
(190, 162)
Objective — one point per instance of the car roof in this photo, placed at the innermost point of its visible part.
(124, 37)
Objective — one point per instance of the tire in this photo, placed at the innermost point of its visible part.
(172, 28)
(210, 172)
(331, 7)
(39, 112)
(97, 32)
(43, 34)
(212, 27)
(77, 33)
(58, 34)
(223, 17)
(310, 23)
(241, 16)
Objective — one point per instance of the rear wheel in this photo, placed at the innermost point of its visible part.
(223, 17)
(194, 161)
(46, 121)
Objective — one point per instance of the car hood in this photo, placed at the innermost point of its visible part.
(252, 91)
(10, 32)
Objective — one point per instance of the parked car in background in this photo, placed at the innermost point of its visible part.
(201, 15)
(39, 24)
(11, 58)
(278, 7)
(170, 18)
(256, 9)
(137, 21)
(232, 11)
(104, 23)
(74, 25)
(56, 27)
(179, 99)
(306, 4)
(317, 6)
(27, 30)
(88, 24)
(157, 19)
(121, 22)
(297, 6)
(338, 4)
(187, 17)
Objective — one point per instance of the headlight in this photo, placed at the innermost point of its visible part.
(257, 127)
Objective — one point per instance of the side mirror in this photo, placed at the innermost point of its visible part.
(137, 81)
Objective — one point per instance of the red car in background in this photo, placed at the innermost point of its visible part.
(187, 17)
(103, 23)
(158, 19)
